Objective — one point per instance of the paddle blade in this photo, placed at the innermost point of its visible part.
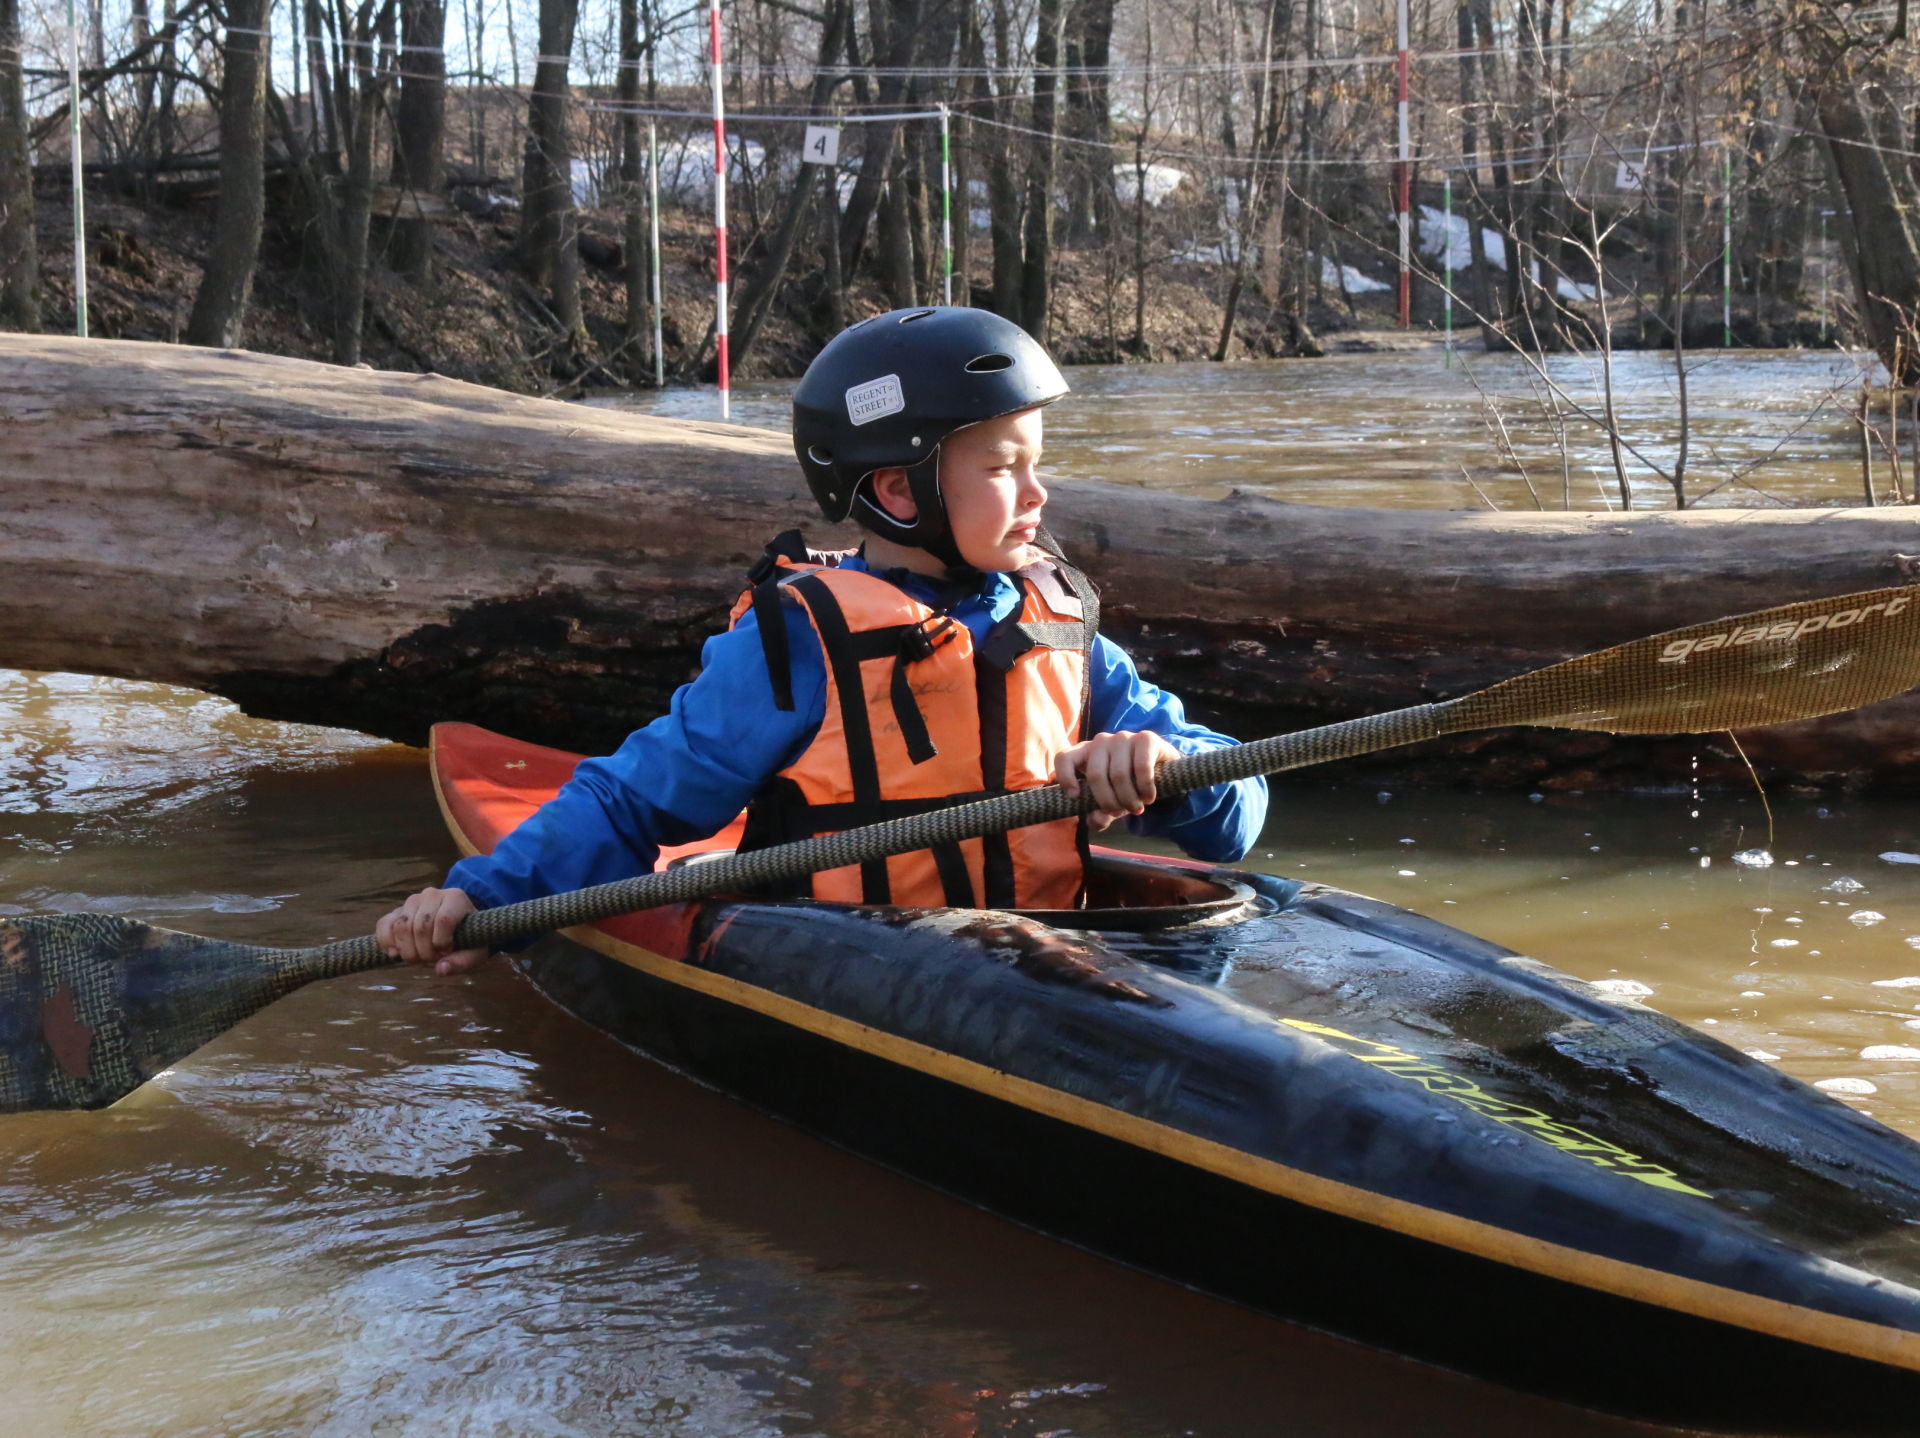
(1798, 661)
(92, 1006)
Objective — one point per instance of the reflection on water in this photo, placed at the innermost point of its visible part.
(400, 1204)
(1801, 962)
(1396, 430)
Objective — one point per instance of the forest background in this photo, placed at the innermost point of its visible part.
(467, 187)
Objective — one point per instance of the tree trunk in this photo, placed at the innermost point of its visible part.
(896, 28)
(383, 551)
(1036, 273)
(19, 256)
(835, 279)
(420, 127)
(757, 297)
(1529, 270)
(635, 236)
(549, 237)
(1479, 291)
(969, 89)
(1507, 303)
(362, 106)
(166, 130)
(324, 123)
(1886, 252)
(220, 307)
(1090, 108)
(1003, 194)
(896, 236)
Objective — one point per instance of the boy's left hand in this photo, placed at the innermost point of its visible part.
(1117, 769)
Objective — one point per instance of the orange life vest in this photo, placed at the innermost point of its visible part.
(919, 716)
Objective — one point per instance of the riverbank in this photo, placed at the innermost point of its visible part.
(479, 320)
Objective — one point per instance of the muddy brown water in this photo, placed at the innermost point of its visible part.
(399, 1204)
(1405, 430)
(403, 1205)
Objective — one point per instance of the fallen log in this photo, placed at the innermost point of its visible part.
(381, 551)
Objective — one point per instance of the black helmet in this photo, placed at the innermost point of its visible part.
(886, 391)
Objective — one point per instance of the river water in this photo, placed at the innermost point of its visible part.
(1407, 430)
(399, 1204)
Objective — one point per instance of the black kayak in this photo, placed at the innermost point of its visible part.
(1307, 1101)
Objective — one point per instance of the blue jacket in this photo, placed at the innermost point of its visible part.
(689, 772)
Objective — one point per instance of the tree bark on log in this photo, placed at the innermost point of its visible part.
(381, 551)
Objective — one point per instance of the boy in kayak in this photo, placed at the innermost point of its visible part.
(953, 656)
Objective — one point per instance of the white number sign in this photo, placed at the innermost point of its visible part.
(822, 146)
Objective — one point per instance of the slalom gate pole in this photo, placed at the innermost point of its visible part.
(1405, 186)
(946, 206)
(79, 174)
(719, 211)
(1446, 295)
(653, 237)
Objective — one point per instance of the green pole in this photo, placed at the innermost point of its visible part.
(79, 188)
(1446, 192)
(1726, 246)
(946, 205)
(653, 253)
(1824, 272)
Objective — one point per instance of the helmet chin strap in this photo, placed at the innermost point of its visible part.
(928, 529)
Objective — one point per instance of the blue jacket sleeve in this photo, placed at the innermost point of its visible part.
(1219, 824)
(682, 778)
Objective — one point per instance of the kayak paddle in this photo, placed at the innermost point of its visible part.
(91, 1006)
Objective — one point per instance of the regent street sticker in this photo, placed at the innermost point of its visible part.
(875, 399)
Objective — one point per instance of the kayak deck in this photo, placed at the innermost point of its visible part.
(1306, 1100)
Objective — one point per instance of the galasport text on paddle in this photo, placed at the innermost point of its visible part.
(91, 1006)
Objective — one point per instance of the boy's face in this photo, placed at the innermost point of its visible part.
(989, 478)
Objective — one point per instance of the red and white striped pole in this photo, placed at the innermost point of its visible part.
(720, 210)
(1405, 182)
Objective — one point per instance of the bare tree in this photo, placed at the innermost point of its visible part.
(1036, 271)
(757, 296)
(548, 247)
(635, 46)
(19, 256)
(361, 87)
(420, 127)
(896, 28)
(1853, 88)
(220, 307)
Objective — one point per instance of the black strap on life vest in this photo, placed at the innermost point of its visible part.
(764, 582)
(772, 624)
(862, 762)
(990, 691)
(915, 642)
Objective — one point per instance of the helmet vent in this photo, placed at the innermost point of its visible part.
(819, 454)
(988, 364)
(916, 315)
